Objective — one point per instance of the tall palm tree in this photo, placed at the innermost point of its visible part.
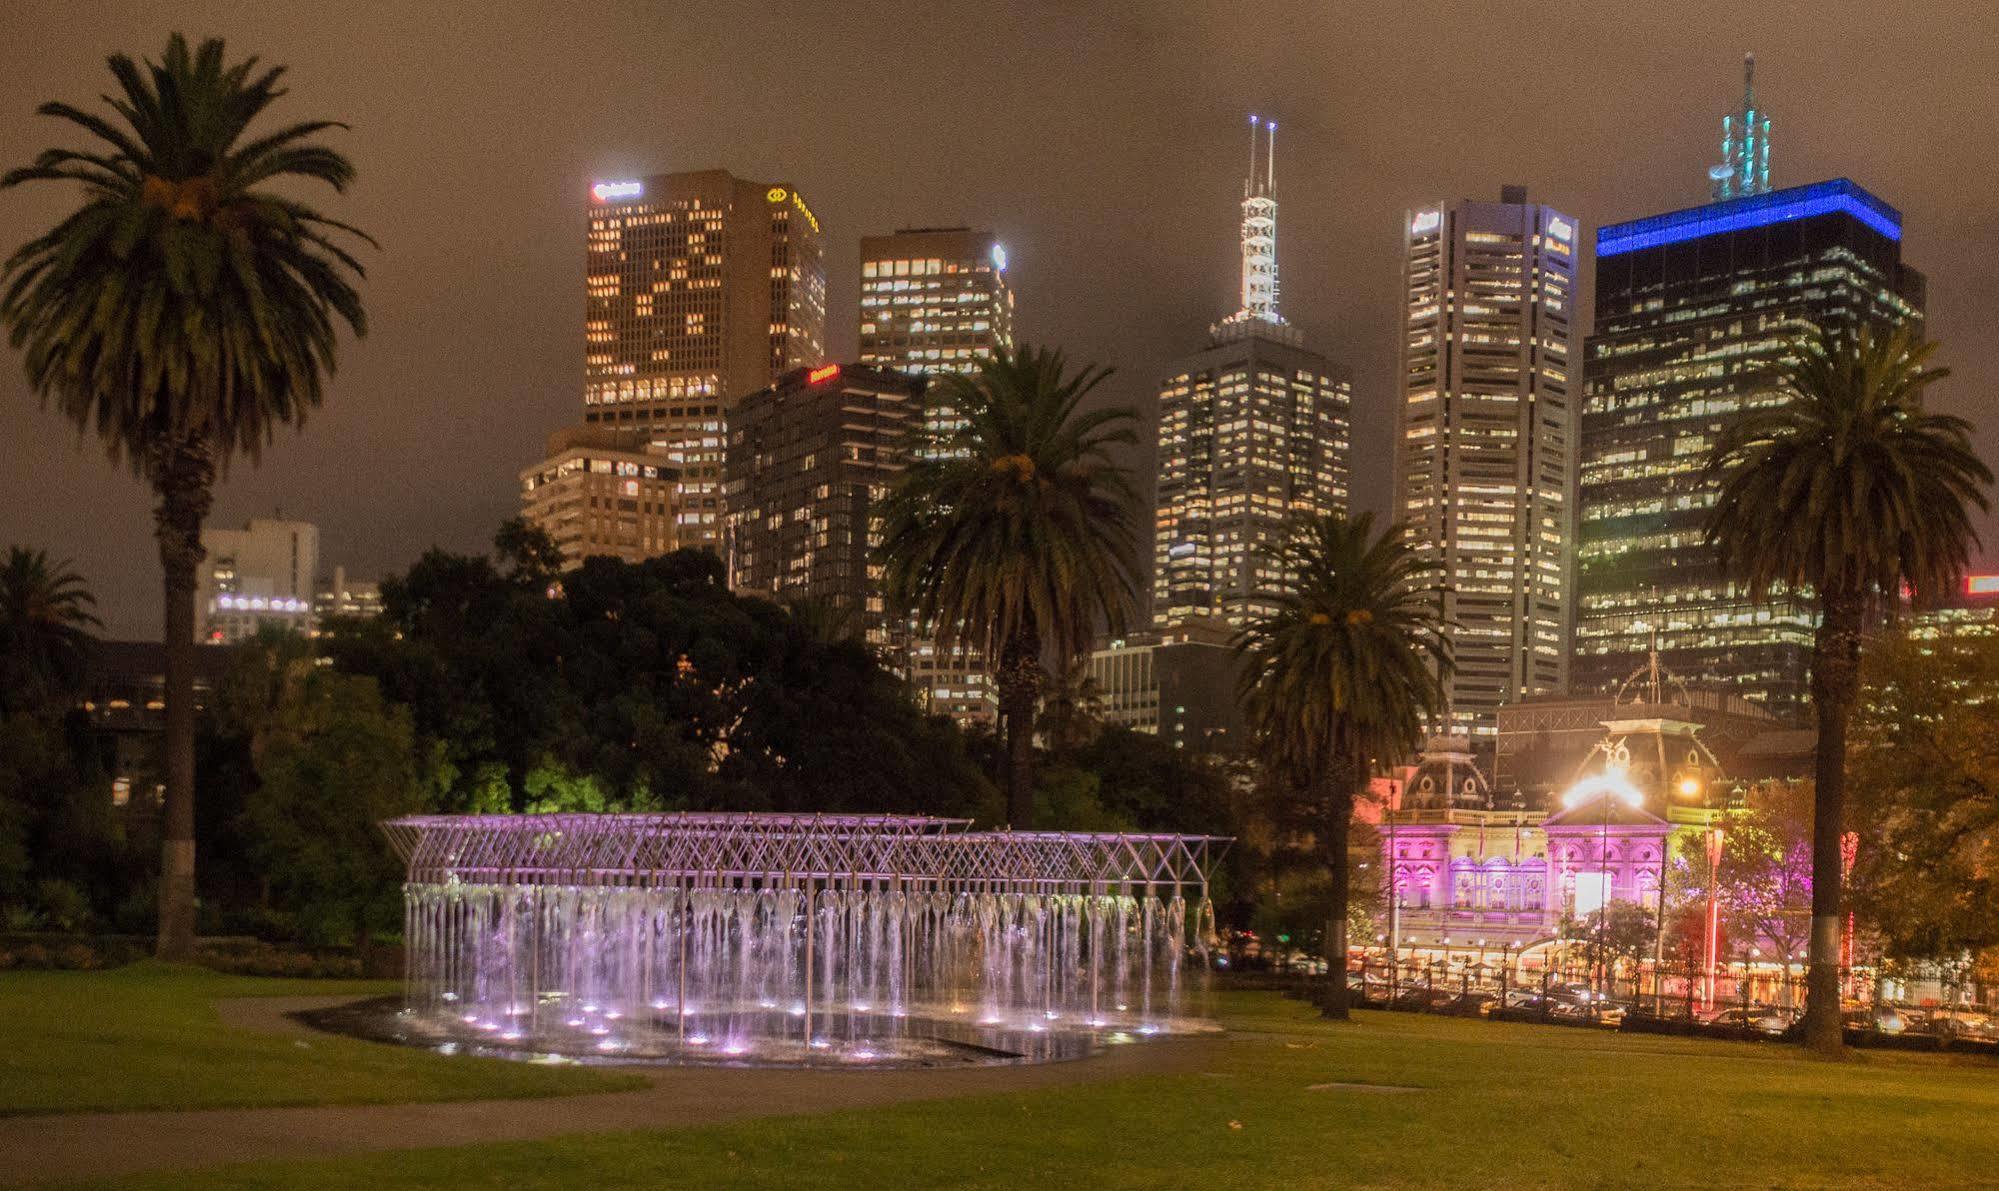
(45, 623)
(1839, 498)
(1342, 673)
(181, 313)
(1014, 531)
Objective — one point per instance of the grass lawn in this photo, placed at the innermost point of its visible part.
(1500, 1105)
(147, 1036)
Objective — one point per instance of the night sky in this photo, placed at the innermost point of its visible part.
(1105, 143)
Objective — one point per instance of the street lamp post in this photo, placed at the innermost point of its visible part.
(1714, 842)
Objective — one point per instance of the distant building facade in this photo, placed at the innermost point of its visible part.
(604, 491)
(810, 460)
(339, 594)
(1253, 432)
(263, 574)
(1178, 684)
(701, 287)
(1485, 459)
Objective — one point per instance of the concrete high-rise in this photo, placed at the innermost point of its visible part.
(810, 460)
(701, 288)
(1691, 307)
(1252, 433)
(1485, 464)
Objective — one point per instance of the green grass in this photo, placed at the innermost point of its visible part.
(148, 1036)
(1502, 1105)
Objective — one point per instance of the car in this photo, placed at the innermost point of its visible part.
(1884, 1018)
(1420, 999)
(1763, 1019)
(1471, 1004)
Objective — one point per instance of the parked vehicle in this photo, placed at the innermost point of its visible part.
(1761, 1018)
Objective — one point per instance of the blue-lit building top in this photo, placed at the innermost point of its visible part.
(1757, 210)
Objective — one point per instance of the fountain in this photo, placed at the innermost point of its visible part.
(793, 939)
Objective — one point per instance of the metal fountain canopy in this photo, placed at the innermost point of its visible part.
(699, 848)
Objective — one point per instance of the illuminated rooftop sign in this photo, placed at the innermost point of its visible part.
(1981, 585)
(823, 372)
(1425, 222)
(1838, 196)
(1561, 229)
(610, 192)
(999, 257)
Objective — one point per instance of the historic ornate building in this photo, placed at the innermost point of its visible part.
(1471, 877)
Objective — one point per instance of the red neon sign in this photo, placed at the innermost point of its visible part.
(1981, 585)
(823, 372)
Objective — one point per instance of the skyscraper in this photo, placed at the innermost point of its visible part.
(702, 288)
(1690, 306)
(1485, 461)
(936, 300)
(810, 459)
(1252, 433)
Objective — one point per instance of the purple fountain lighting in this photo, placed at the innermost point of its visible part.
(908, 938)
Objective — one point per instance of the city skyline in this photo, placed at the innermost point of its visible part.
(1121, 252)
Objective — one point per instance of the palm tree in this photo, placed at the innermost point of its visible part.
(1014, 532)
(182, 313)
(1341, 673)
(45, 623)
(1839, 498)
(1072, 707)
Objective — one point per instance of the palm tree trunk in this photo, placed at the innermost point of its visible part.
(183, 477)
(1019, 680)
(1338, 831)
(1835, 684)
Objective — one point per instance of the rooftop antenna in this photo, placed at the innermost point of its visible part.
(1745, 145)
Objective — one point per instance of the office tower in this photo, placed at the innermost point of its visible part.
(810, 459)
(1252, 434)
(936, 300)
(601, 490)
(1485, 461)
(1690, 307)
(261, 574)
(1745, 145)
(701, 287)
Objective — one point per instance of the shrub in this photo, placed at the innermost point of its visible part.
(63, 905)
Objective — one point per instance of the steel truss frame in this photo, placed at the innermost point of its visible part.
(915, 852)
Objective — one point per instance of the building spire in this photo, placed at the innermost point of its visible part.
(1745, 145)
(1258, 312)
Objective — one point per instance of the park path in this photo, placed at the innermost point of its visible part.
(102, 1144)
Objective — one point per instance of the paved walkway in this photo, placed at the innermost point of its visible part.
(98, 1144)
